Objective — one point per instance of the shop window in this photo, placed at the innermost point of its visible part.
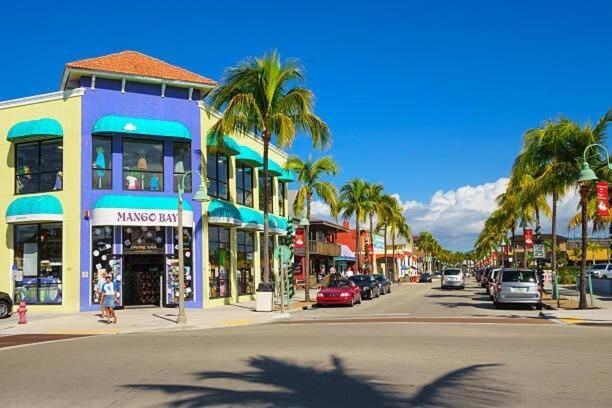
(144, 240)
(102, 173)
(245, 249)
(261, 192)
(244, 184)
(102, 258)
(219, 260)
(38, 257)
(172, 277)
(143, 165)
(38, 166)
(182, 164)
(271, 254)
(217, 171)
(282, 192)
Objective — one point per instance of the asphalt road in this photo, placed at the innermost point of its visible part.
(302, 362)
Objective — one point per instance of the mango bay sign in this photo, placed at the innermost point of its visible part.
(128, 216)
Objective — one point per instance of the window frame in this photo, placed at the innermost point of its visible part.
(39, 172)
(162, 180)
(211, 277)
(249, 289)
(109, 167)
(216, 181)
(241, 192)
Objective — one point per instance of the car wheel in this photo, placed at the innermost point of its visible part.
(378, 292)
(389, 289)
(352, 304)
(497, 305)
(605, 277)
(359, 300)
(5, 310)
(538, 306)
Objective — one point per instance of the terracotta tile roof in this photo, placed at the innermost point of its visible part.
(136, 63)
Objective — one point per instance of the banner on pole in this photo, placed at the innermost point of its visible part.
(602, 199)
(528, 238)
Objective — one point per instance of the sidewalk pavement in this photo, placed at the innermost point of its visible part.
(601, 314)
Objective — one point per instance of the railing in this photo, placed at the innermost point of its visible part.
(324, 248)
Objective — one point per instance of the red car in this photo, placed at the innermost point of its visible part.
(339, 292)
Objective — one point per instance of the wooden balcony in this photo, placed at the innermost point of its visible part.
(324, 248)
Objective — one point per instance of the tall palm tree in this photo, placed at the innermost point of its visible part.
(266, 96)
(385, 216)
(373, 204)
(353, 203)
(399, 228)
(310, 176)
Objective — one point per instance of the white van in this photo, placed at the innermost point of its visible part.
(452, 278)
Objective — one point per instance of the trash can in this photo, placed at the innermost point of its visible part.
(264, 297)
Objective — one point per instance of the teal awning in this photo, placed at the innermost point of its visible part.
(251, 218)
(136, 202)
(224, 213)
(277, 225)
(141, 126)
(230, 147)
(35, 208)
(273, 169)
(249, 156)
(35, 129)
(287, 176)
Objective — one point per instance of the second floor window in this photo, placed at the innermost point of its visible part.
(143, 165)
(244, 184)
(101, 172)
(282, 188)
(217, 171)
(182, 164)
(261, 193)
(39, 166)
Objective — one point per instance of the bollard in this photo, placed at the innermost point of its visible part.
(591, 290)
(22, 311)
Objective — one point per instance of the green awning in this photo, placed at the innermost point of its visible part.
(224, 213)
(287, 176)
(35, 130)
(35, 208)
(273, 169)
(249, 156)
(230, 147)
(136, 202)
(141, 126)
(251, 218)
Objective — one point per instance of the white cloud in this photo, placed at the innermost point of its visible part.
(318, 209)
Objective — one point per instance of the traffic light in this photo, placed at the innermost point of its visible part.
(538, 235)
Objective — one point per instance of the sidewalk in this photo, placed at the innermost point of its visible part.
(148, 319)
(601, 315)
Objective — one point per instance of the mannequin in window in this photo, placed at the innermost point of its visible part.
(131, 181)
(59, 181)
(142, 165)
(154, 183)
(100, 164)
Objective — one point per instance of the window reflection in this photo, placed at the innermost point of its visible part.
(143, 165)
(102, 174)
(38, 167)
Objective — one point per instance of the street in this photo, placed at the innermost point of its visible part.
(323, 357)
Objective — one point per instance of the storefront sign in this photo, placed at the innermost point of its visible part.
(602, 199)
(124, 216)
(528, 238)
(299, 241)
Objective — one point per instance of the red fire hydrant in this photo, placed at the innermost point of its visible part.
(22, 311)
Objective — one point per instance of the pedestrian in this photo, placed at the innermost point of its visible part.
(332, 270)
(349, 272)
(109, 300)
(100, 291)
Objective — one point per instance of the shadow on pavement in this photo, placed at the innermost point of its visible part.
(483, 305)
(291, 385)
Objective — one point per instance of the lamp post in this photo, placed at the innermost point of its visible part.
(202, 196)
(305, 224)
(586, 175)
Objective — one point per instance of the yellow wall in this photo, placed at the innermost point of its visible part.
(207, 120)
(68, 113)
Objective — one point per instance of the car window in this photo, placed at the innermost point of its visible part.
(451, 272)
(599, 266)
(519, 276)
(360, 278)
(338, 284)
(610, 267)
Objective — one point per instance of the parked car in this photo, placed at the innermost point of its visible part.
(436, 275)
(517, 286)
(484, 280)
(339, 292)
(479, 274)
(452, 277)
(385, 284)
(491, 282)
(370, 288)
(601, 270)
(425, 277)
(6, 305)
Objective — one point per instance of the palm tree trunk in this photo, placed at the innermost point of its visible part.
(266, 231)
(386, 267)
(372, 267)
(513, 246)
(357, 243)
(393, 252)
(553, 256)
(584, 192)
(307, 253)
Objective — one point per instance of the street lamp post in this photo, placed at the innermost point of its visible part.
(305, 224)
(202, 196)
(586, 175)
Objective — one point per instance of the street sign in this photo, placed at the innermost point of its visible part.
(283, 252)
(538, 251)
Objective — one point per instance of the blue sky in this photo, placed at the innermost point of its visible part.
(424, 97)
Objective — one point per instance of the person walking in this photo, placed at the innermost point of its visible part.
(332, 270)
(109, 300)
(349, 272)
(100, 290)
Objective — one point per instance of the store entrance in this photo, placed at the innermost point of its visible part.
(143, 280)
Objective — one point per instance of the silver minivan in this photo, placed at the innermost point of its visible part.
(452, 278)
(517, 286)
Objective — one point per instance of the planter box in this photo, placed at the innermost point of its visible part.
(602, 286)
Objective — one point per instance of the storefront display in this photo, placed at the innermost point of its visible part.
(245, 270)
(219, 259)
(144, 239)
(172, 269)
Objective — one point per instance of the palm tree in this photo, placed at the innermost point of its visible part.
(353, 203)
(266, 96)
(427, 244)
(592, 248)
(373, 204)
(309, 175)
(399, 228)
(385, 215)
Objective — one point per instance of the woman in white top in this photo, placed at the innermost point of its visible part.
(109, 299)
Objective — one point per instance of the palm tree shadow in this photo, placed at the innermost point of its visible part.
(273, 382)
